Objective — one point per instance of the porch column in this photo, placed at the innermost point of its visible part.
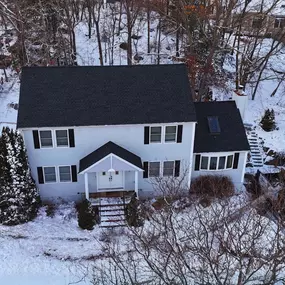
(137, 183)
(86, 185)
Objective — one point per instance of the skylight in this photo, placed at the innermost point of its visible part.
(214, 125)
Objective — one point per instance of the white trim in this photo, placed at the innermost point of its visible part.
(52, 139)
(86, 185)
(137, 183)
(244, 166)
(104, 126)
(97, 162)
(139, 169)
(70, 172)
(68, 143)
(56, 177)
(192, 155)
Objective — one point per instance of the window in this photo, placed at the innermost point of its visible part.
(213, 163)
(46, 139)
(64, 174)
(204, 162)
(222, 161)
(168, 168)
(49, 174)
(230, 161)
(279, 23)
(61, 138)
(116, 172)
(257, 23)
(103, 173)
(155, 134)
(170, 133)
(214, 125)
(154, 169)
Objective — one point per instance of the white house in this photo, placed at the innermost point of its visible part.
(108, 130)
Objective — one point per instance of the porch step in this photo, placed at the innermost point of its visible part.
(112, 212)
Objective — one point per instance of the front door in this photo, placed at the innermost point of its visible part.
(110, 180)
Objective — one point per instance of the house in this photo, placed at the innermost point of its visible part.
(120, 129)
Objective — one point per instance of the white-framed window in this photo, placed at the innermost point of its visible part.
(204, 162)
(64, 173)
(155, 134)
(170, 134)
(279, 23)
(61, 138)
(49, 174)
(46, 139)
(230, 160)
(216, 162)
(168, 168)
(154, 169)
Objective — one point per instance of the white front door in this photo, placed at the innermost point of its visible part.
(110, 180)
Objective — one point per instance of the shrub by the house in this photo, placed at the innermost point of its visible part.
(19, 197)
(88, 216)
(133, 213)
(212, 186)
(267, 122)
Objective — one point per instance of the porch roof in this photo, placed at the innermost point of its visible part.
(105, 150)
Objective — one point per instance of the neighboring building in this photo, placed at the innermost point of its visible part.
(110, 129)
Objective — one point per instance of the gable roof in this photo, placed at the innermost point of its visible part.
(232, 135)
(111, 95)
(105, 150)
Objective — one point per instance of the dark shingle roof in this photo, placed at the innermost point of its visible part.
(106, 149)
(232, 136)
(112, 95)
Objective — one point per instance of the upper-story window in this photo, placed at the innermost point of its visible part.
(155, 134)
(170, 133)
(61, 138)
(46, 139)
(163, 134)
(51, 138)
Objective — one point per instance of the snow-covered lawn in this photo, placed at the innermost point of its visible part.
(47, 250)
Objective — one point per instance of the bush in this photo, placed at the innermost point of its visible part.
(267, 122)
(253, 186)
(212, 186)
(50, 209)
(88, 216)
(133, 213)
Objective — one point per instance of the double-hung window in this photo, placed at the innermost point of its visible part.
(64, 173)
(155, 134)
(49, 174)
(170, 133)
(168, 168)
(154, 169)
(61, 138)
(46, 139)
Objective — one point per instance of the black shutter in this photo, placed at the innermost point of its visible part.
(145, 167)
(177, 168)
(179, 133)
(36, 139)
(146, 135)
(236, 158)
(197, 161)
(40, 175)
(73, 173)
(71, 138)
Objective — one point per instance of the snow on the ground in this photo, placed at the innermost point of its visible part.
(47, 251)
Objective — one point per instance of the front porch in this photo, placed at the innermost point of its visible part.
(110, 171)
